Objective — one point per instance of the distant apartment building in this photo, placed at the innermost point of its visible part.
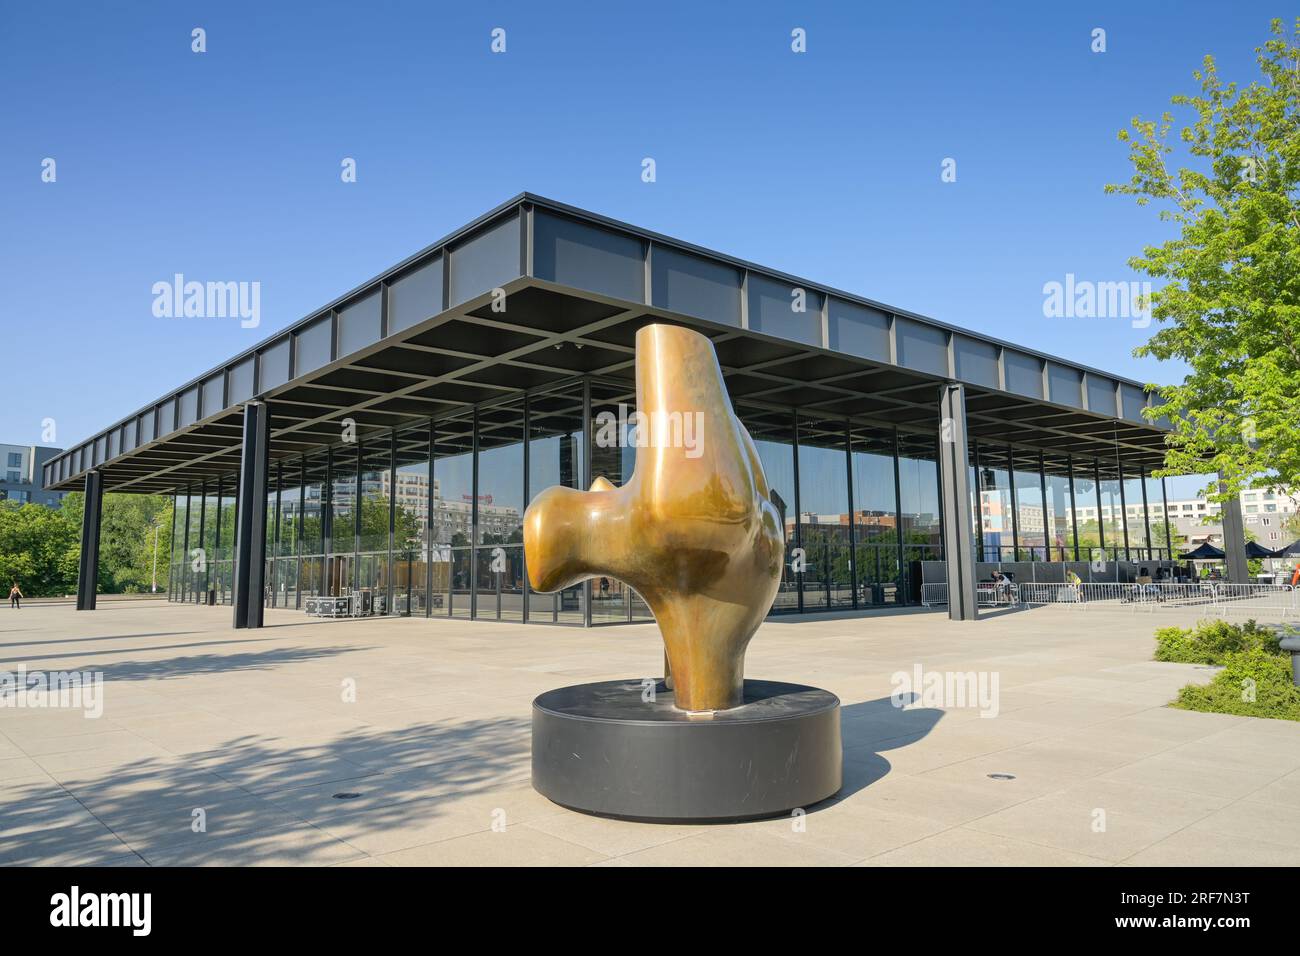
(452, 516)
(1195, 520)
(21, 474)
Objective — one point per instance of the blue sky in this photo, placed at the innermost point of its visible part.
(225, 165)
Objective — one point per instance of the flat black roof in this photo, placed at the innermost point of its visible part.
(535, 292)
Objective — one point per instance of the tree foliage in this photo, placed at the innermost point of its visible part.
(1230, 305)
(40, 547)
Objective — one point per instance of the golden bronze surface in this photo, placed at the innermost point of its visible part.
(694, 530)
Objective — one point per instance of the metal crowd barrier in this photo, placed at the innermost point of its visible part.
(934, 595)
(1248, 600)
(1273, 601)
(987, 594)
(1253, 600)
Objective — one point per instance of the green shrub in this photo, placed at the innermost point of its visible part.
(1211, 642)
(1229, 693)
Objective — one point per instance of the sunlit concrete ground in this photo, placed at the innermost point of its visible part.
(252, 729)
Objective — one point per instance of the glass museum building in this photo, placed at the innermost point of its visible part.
(376, 457)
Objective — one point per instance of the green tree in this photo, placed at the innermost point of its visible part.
(1089, 538)
(39, 549)
(128, 526)
(1230, 305)
(1160, 528)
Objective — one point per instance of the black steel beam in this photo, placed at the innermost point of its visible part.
(1234, 540)
(250, 544)
(955, 492)
(88, 572)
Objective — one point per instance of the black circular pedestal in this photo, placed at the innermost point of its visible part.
(602, 748)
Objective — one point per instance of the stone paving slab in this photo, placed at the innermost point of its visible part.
(406, 742)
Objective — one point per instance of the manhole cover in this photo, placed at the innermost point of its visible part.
(346, 795)
(995, 776)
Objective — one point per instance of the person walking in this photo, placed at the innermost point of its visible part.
(15, 597)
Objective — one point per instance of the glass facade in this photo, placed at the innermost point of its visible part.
(427, 520)
(996, 535)
(1030, 524)
(824, 514)
(877, 546)
(1059, 508)
(556, 456)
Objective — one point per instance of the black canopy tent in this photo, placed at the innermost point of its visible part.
(1203, 552)
(1292, 550)
(1256, 550)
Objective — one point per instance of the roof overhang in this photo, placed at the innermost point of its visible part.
(535, 293)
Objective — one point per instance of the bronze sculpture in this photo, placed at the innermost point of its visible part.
(694, 531)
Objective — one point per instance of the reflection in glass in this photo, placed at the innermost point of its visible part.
(1135, 517)
(613, 456)
(1031, 523)
(824, 514)
(1087, 520)
(340, 564)
(555, 446)
(1060, 529)
(1161, 532)
(499, 574)
(375, 487)
(875, 516)
(314, 518)
(193, 575)
(996, 529)
(453, 516)
(411, 523)
(1112, 513)
(773, 434)
(918, 477)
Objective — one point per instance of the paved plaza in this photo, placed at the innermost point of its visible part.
(406, 742)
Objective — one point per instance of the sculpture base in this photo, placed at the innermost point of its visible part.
(603, 749)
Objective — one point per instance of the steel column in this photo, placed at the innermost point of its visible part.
(853, 537)
(979, 507)
(954, 491)
(1234, 540)
(528, 434)
(1074, 511)
(1146, 514)
(1015, 506)
(1123, 506)
(900, 574)
(392, 524)
(171, 555)
(250, 543)
(585, 484)
(798, 515)
(1169, 539)
(428, 528)
(1042, 484)
(1101, 522)
(91, 515)
(473, 520)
